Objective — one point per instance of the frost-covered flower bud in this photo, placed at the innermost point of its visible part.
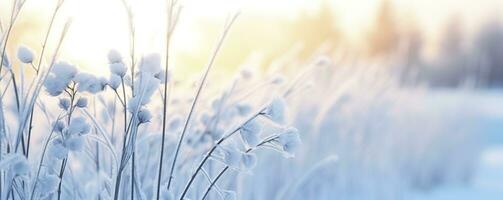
(231, 157)
(90, 83)
(78, 126)
(57, 149)
(59, 126)
(118, 68)
(162, 76)
(144, 116)
(114, 56)
(20, 165)
(81, 102)
(276, 110)
(17, 163)
(64, 103)
(249, 160)
(290, 140)
(64, 71)
(115, 81)
(250, 132)
(25, 55)
(48, 184)
(151, 64)
(74, 142)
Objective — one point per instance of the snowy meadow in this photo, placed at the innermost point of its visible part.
(317, 125)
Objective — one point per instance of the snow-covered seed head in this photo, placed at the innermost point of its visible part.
(290, 140)
(59, 78)
(151, 64)
(64, 70)
(118, 68)
(115, 81)
(20, 165)
(25, 55)
(48, 184)
(162, 76)
(74, 142)
(64, 103)
(78, 125)
(81, 102)
(276, 110)
(57, 149)
(144, 116)
(59, 126)
(250, 132)
(89, 83)
(249, 160)
(17, 163)
(231, 157)
(114, 56)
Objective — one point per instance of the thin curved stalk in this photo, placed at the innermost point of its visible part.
(199, 89)
(169, 32)
(213, 148)
(214, 182)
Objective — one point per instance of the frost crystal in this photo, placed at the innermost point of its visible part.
(250, 132)
(25, 55)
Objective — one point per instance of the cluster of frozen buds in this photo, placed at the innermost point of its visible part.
(284, 139)
(146, 81)
(71, 138)
(62, 74)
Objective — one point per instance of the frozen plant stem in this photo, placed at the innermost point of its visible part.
(208, 155)
(194, 102)
(165, 99)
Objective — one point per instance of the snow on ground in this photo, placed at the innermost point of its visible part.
(488, 181)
